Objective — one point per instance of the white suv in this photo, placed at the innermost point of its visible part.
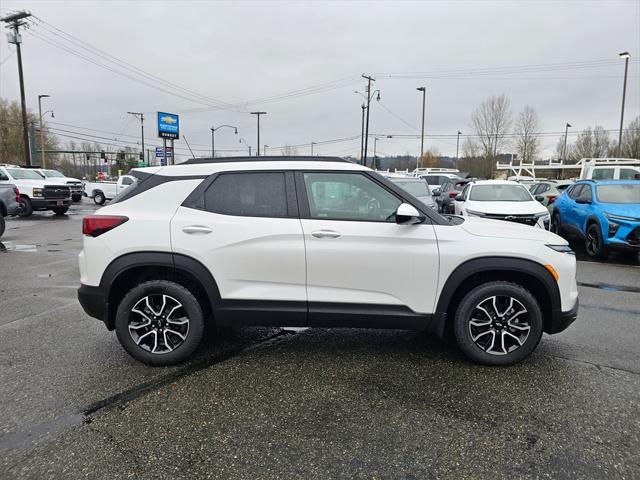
(308, 241)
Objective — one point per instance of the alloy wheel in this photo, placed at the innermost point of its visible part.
(158, 323)
(499, 325)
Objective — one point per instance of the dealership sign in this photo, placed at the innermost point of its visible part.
(168, 125)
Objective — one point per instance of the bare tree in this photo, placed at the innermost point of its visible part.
(289, 151)
(527, 143)
(472, 160)
(491, 122)
(631, 140)
(430, 158)
(591, 143)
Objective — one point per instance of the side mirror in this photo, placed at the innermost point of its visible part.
(539, 198)
(436, 192)
(408, 215)
(459, 198)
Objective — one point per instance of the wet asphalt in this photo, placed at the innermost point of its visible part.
(320, 403)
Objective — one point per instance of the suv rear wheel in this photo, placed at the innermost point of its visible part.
(159, 323)
(498, 323)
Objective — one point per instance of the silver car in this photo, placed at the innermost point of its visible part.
(417, 187)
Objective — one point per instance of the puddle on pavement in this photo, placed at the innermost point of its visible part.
(17, 247)
(610, 287)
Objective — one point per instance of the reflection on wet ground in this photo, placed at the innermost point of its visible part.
(614, 257)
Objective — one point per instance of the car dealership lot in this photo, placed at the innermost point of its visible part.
(325, 403)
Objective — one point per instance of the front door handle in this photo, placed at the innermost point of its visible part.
(196, 229)
(326, 234)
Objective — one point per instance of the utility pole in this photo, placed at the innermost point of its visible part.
(213, 135)
(312, 144)
(140, 116)
(375, 147)
(40, 97)
(564, 150)
(626, 56)
(258, 146)
(364, 107)
(15, 21)
(458, 146)
(366, 133)
(424, 99)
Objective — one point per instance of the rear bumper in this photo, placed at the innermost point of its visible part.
(561, 320)
(94, 302)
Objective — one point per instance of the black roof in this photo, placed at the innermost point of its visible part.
(270, 158)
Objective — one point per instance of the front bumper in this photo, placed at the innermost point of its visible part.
(560, 320)
(45, 204)
(94, 302)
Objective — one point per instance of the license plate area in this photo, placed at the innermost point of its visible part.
(59, 203)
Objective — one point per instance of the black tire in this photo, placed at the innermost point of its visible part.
(99, 198)
(527, 326)
(2, 225)
(142, 351)
(556, 225)
(593, 242)
(59, 211)
(26, 209)
(76, 198)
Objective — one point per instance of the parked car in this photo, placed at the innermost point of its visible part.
(313, 241)
(436, 180)
(611, 172)
(501, 200)
(416, 187)
(36, 193)
(606, 215)
(75, 185)
(547, 191)
(9, 202)
(103, 191)
(446, 194)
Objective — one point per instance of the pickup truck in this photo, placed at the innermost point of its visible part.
(103, 191)
(9, 202)
(36, 193)
(75, 185)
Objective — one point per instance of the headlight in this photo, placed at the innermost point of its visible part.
(473, 213)
(542, 215)
(37, 192)
(621, 218)
(562, 249)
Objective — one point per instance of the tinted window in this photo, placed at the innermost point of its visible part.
(248, 195)
(543, 188)
(603, 173)
(127, 181)
(3, 176)
(465, 191)
(575, 191)
(585, 193)
(349, 196)
(629, 174)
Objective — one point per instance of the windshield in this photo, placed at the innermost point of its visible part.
(415, 188)
(620, 193)
(499, 193)
(52, 173)
(23, 174)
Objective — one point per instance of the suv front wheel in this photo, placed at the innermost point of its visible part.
(498, 323)
(159, 322)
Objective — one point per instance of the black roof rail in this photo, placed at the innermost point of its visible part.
(274, 158)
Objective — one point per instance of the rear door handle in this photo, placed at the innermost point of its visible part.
(326, 234)
(196, 229)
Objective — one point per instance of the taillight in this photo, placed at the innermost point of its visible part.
(552, 198)
(95, 225)
(453, 194)
(17, 192)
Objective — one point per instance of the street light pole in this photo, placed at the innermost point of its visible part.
(424, 95)
(366, 133)
(213, 132)
(458, 147)
(375, 148)
(15, 21)
(265, 149)
(140, 116)
(564, 150)
(312, 144)
(258, 146)
(40, 97)
(626, 56)
(362, 135)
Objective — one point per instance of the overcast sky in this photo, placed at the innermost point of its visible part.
(230, 54)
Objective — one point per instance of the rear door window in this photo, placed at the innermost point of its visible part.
(250, 194)
(629, 174)
(603, 173)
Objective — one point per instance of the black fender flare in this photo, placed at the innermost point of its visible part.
(176, 262)
(489, 264)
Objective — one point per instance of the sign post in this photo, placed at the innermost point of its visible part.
(168, 128)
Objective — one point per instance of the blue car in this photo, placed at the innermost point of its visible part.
(605, 214)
